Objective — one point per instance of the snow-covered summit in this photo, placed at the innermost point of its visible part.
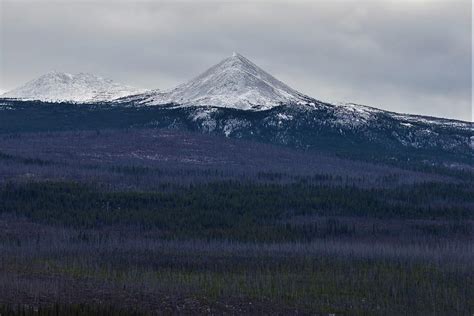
(83, 87)
(235, 82)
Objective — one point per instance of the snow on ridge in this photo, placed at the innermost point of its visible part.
(357, 115)
(82, 87)
(354, 114)
(235, 82)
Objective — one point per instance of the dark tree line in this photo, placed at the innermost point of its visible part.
(233, 209)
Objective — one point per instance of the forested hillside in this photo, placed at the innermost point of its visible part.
(101, 215)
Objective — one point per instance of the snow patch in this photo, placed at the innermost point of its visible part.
(355, 115)
(283, 116)
(232, 125)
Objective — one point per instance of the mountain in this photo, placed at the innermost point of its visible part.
(237, 99)
(350, 130)
(217, 102)
(64, 87)
(235, 82)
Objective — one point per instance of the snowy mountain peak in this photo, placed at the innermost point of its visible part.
(235, 82)
(57, 86)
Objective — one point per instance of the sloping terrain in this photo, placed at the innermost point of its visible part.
(235, 82)
(58, 87)
(145, 158)
(237, 99)
(351, 130)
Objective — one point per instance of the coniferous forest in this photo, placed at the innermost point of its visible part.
(143, 221)
(236, 158)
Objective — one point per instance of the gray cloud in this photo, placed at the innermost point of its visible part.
(406, 55)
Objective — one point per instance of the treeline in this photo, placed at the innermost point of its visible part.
(24, 160)
(65, 309)
(232, 209)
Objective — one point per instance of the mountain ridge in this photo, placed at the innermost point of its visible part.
(381, 135)
(58, 86)
(235, 98)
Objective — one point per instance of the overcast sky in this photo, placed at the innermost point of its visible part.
(410, 56)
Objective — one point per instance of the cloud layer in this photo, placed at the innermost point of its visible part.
(406, 56)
